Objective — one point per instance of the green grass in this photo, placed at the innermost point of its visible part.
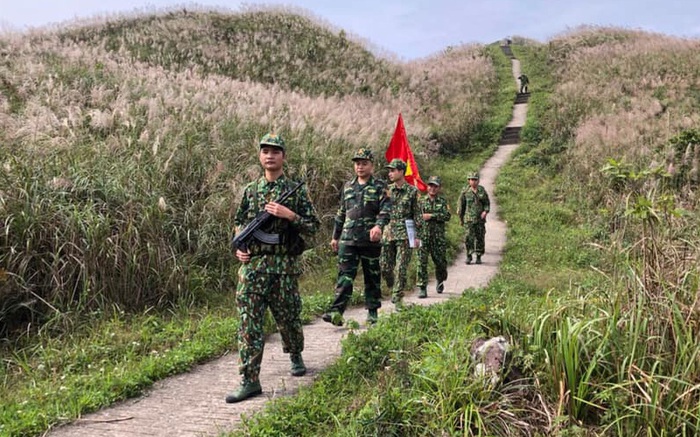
(412, 375)
(66, 371)
(599, 301)
(112, 357)
(602, 348)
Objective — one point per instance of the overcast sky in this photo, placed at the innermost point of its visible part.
(410, 28)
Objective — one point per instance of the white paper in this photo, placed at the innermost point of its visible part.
(411, 232)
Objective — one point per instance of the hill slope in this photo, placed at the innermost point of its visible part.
(270, 47)
(134, 136)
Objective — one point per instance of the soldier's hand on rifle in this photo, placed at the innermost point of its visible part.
(281, 211)
(334, 245)
(243, 257)
(427, 216)
(375, 234)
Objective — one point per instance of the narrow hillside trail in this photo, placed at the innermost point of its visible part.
(192, 404)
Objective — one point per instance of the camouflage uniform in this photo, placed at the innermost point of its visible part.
(362, 206)
(471, 205)
(396, 251)
(433, 240)
(270, 279)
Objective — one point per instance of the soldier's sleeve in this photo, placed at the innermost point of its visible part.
(485, 202)
(384, 206)
(241, 217)
(461, 206)
(309, 223)
(339, 220)
(417, 213)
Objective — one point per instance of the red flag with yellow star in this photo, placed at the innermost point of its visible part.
(399, 148)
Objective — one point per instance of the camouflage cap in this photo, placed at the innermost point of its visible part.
(272, 139)
(364, 153)
(397, 164)
(473, 175)
(434, 180)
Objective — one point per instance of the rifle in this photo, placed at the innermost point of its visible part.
(252, 230)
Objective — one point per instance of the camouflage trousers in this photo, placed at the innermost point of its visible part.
(434, 246)
(255, 293)
(349, 260)
(395, 259)
(475, 238)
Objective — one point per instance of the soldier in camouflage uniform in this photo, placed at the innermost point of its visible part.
(363, 213)
(396, 250)
(474, 205)
(436, 212)
(524, 81)
(268, 276)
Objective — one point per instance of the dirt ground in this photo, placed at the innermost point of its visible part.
(192, 404)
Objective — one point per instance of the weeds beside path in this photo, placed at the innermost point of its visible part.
(193, 403)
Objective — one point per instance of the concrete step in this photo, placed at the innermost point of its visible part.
(510, 135)
(507, 51)
(522, 98)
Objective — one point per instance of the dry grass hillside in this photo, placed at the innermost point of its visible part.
(127, 141)
(615, 120)
(626, 112)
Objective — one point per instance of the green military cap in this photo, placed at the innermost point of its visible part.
(363, 153)
(473, 175)
(272, 139)
(434, 180)
(397, 164)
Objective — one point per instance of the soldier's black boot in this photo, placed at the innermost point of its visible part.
(469, 259)
(478, 259)
(298, 368)
(246, 390)
(372, 316)
(440, 287)
(333, 317)
(423, 293)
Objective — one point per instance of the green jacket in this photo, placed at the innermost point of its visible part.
(268, 258)
(472, 204)
(404, 206)
(441, 214)
(362, 206)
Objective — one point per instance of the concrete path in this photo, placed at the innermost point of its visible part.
(192, 404)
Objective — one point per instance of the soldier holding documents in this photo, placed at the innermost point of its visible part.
(397, 243)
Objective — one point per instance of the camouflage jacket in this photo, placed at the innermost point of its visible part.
(269, 258)
(471, 204)
(404, 206)
(440, 210)
(362, 206)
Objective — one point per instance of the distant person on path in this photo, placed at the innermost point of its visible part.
(396, 248)
(436, 212)
(269, 272)
(524, 81)
(361, 217)
(474, 205)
